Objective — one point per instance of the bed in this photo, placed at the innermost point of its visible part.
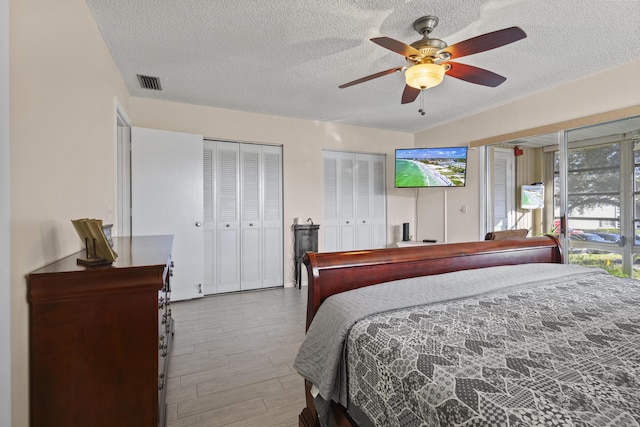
(475, 334)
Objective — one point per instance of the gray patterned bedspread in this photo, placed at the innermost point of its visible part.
(536, 345)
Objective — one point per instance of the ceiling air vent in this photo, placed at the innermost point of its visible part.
(149, 82)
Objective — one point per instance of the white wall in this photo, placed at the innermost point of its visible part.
(63, 86)
(63, 148)
(5, 229)
(302, 144)
(611, 90)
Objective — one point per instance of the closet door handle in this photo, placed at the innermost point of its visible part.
(227, 225)
(250, 224)
(198, 224)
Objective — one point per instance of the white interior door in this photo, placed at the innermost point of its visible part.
(167, 198)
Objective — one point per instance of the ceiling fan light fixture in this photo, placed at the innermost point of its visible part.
(424, 76)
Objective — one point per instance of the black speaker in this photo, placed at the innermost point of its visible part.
(405, 231)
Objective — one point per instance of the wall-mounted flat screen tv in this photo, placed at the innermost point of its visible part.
(431, 167)
(532, 197)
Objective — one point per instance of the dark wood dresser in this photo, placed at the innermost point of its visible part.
(100, 338)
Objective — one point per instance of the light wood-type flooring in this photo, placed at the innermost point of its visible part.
(232, 360)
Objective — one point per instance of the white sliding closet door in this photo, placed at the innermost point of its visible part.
(221, 217)
(251, 227)
(243, 216)
(354, 201)
(166, 194)
(272, 229)
(330, 213)
(346, 200)
(378, 201)
(364, 193)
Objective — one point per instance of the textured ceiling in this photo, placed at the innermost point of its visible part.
(287, 57)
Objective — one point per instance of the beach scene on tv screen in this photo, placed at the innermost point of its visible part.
(431, 167)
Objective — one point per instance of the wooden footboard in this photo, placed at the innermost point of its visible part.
(334, 272)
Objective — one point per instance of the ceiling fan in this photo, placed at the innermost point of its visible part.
(429, 58)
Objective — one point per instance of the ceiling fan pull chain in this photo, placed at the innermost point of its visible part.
(421, 110)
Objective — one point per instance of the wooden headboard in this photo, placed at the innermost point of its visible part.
(334, 272)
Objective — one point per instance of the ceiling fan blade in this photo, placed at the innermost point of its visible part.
(485, 42)
(396, 46)
(409, 94)
(475, 75)
(371, 77)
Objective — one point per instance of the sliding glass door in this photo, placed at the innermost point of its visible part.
(594, 203)
(601, 196)
(590, 181)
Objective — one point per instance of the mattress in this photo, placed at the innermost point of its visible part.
(511, 345)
